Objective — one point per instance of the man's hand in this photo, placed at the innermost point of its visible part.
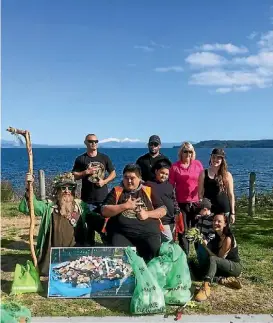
(131, 204)
(142, 214)
(29, 178)
(90, 170)
(232, 218)
(101, 182)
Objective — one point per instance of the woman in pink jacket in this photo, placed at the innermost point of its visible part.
(184, 176)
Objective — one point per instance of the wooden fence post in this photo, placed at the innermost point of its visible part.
(42, 184)
(252, 194)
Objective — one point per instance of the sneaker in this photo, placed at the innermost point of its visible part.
(203, 293)
(231, 282)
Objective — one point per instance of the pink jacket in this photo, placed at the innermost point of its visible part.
(185, 181)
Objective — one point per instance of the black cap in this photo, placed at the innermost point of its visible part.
(204, 204)
(155, 138)
(219, 152)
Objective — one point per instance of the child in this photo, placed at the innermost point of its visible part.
(205, 219)
(165, 191)
(205, 226)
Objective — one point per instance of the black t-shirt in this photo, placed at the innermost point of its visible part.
(146, 162)
(233, 253)
(219, 199)
(127, 223)
(165, 192)
(91, 193)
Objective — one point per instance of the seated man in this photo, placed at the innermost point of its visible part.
(62, 222)
(134, 214)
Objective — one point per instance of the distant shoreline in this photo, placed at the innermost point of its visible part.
(266, 143)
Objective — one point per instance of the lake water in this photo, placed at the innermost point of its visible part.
(241, 161)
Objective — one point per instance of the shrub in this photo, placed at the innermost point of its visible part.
(7, 192)
(262, 201)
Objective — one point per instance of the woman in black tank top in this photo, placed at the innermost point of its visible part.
(216, 184)
(223, 258)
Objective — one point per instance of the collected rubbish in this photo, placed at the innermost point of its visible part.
(172, 273)
(82, 271)
(148, 297)
(26, 279)
(12, 312)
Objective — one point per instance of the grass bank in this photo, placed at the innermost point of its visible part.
(255, 239)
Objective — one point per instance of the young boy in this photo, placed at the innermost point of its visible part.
(165, 191)
(205, 220)
(205, 226)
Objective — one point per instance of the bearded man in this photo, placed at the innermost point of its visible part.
(62, 219)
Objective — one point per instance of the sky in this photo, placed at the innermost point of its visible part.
(185, 70)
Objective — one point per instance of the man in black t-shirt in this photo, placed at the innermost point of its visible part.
(91, 168)
(134, 214)
(147, 161)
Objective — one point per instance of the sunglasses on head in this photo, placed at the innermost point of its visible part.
(187, 151)
(70, 188)
(155, 144)
(92, 141)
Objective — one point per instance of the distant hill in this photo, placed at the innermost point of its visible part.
(265, 143)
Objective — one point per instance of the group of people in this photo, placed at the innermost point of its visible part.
(143, 210)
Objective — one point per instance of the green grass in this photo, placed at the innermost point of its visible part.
(255, 240)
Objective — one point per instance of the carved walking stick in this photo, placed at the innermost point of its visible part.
(26, 135)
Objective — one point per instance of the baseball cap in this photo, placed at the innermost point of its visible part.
(204, 204)
(219, 152)
(155, 138)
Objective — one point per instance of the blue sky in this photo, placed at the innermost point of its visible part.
(194, 70)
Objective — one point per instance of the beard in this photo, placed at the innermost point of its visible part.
(66, 204)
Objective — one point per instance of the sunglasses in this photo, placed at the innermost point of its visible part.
(70, 188)
(187, 151)
(92, 141)
(155, 144)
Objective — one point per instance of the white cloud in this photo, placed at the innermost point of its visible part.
(266, 41)
(252, 35)
(169, 69)
(242, 88)
(229, 78)
(239, 74)
(205, 59)
(223, 90)
(262, 59)
(229, 48)
(145, 49)
(153, 43)
(151, 47)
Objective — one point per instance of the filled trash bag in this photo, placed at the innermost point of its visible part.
(14, 313)
(179, 275)
(172, 273)
(148, 297)
(177, 296)
(26, 279)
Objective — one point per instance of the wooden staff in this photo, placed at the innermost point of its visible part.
(26, 135)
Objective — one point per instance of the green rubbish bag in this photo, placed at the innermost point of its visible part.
(13, 313)
(160, 267)
(177, 296)
(26, 279)
(179, 275)
(148, 298)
